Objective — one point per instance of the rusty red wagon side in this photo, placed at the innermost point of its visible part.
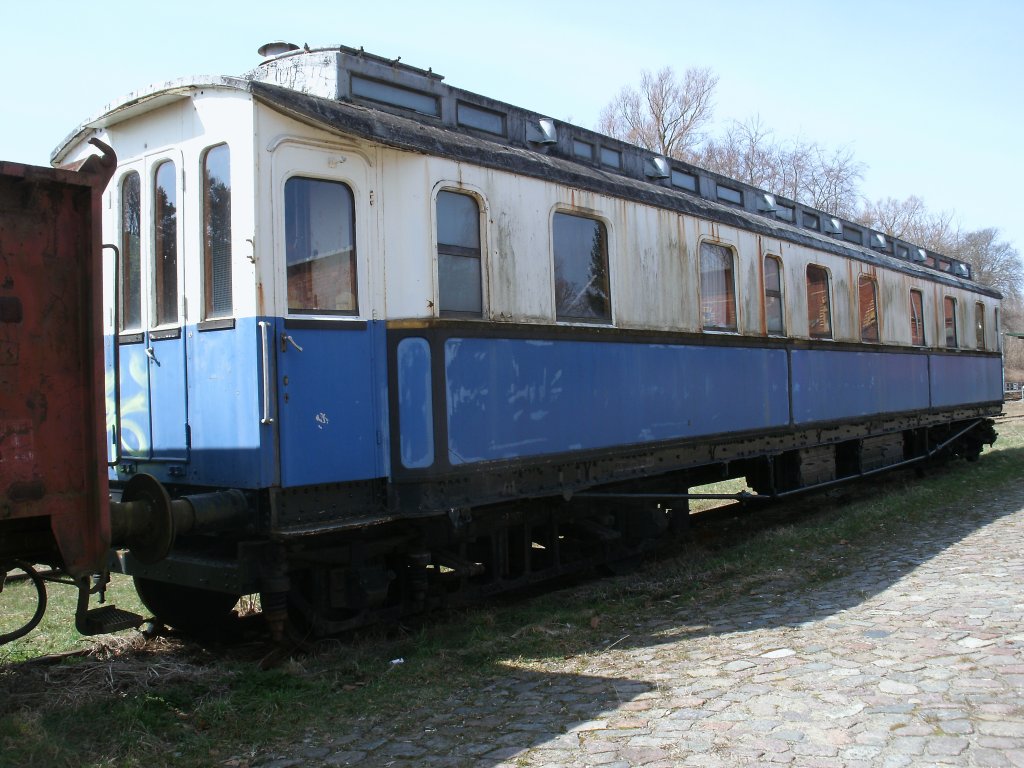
(54, 500)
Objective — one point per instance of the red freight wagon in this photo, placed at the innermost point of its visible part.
(54, 505)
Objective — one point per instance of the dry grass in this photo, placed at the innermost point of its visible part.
(119, 665)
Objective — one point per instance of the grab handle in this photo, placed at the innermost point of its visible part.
(265, 353)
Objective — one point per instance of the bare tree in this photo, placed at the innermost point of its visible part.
(800, 170)
(747, 152)
(911, 220)
(666, 114)
(832, 181)
(994, 262)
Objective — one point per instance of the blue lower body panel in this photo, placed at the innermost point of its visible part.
(965, 380)
(513, 398)
(463, 400)
(832, 385)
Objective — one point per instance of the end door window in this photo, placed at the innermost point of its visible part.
(320, 250)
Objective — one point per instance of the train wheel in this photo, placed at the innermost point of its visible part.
(189, 609)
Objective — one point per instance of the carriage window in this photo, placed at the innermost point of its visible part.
(217, 232)
(916, 318)
(774, 322)
(583, 149)
(581, 269)
(868, 309)
(480, 118)
(458, 254)
(730, 195)
(819, 310)
(611, 157)
(979, 324)
(949, 305)
(717, 292)
(684, 180)
(165, 243)
(131, 261)
(396, 95)
(319, 233)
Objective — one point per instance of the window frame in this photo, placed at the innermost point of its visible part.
(731, 307)
(830, 335)
(209, 273)
(949, 323)
(448, 249)
(607, 318)
(355, 271)
(778, 293)
(159, 315)
(979, 325)
(920, 322)
(874, 326)
(125, 256)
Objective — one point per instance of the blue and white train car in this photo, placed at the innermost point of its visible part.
(390, 312)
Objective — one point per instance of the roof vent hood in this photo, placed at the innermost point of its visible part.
(276, 48)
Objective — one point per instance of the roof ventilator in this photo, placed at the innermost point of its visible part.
(276, 48)
(766, 203)
(657, 168)
(877, 241)
(831, 226)
(541, 131)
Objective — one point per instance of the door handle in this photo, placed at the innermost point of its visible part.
(286, 340)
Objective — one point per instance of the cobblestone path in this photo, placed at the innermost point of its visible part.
(915, 659)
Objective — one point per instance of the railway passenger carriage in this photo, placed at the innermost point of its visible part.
(390, 312)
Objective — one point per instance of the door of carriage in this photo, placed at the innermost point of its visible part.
(325, 341)
(151, 416)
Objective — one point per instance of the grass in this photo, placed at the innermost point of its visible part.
(165, 702)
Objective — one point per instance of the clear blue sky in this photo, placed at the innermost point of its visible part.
(928, 93)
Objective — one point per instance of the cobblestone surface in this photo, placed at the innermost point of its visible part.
(915, 659)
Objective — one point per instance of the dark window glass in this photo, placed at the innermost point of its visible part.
(819, 309)
(717, 296)
(480, 118)
(458, 254)
(320, 246)
(730, 195)
(683, 180)
(979, 325)
(917, 337)
(611, 157)
(902, 252)
(868, 302)
(810, 220)
(130, 299)
(165, 243)
(583, 149)
(217, 232)
(396, 96)
(773, 296)
(949, 312)
(581, 269)
(784, 212)
(851, 235)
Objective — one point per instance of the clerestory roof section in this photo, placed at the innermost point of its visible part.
(351, 91)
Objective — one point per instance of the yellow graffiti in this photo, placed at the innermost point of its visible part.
(134, 434)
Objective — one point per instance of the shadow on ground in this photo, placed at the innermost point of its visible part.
(518, 709)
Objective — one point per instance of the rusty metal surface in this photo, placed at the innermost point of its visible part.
(53, 492)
